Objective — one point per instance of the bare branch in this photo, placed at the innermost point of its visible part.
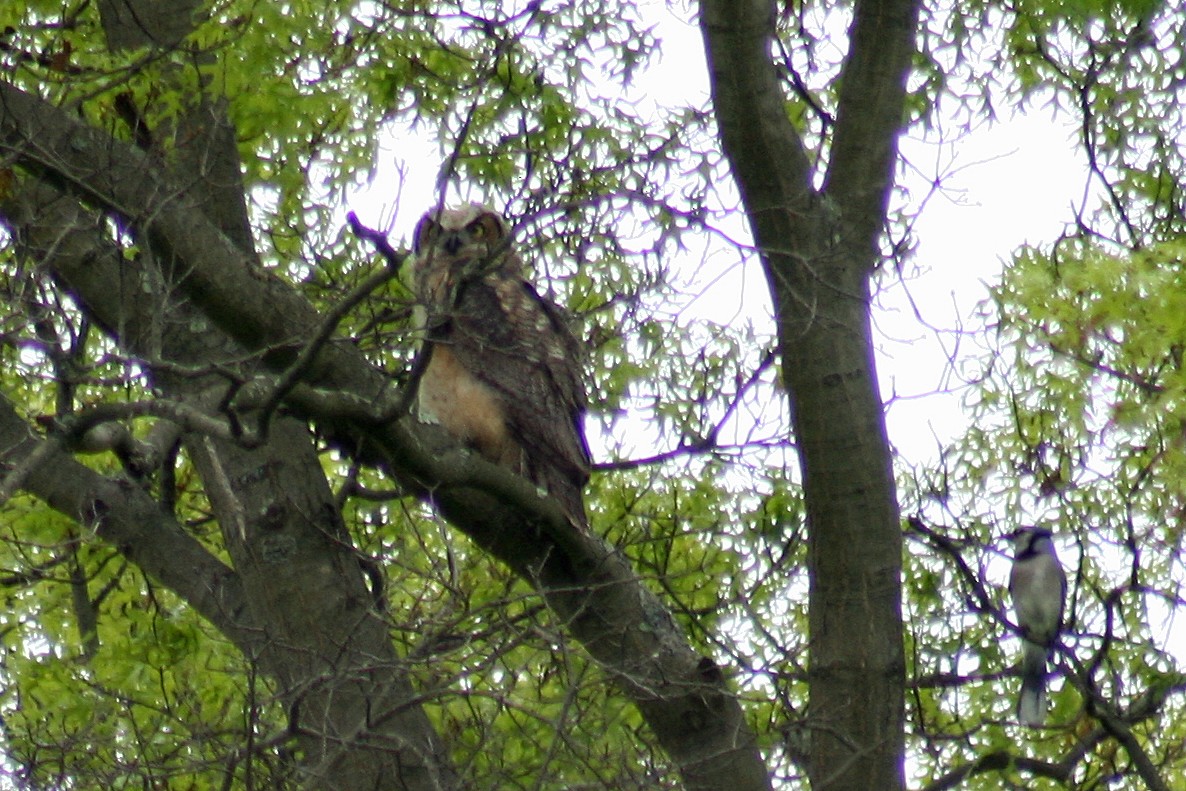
(127, 518)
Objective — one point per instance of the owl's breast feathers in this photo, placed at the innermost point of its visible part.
(505, 377)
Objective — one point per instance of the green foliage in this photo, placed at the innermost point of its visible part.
(1075, 409)
(1115, 67)
(314, 90)
(161, 690)
(1077, 419)
(1078, 425)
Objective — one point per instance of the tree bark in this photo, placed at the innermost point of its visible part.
(301, 608)
(682, 695)
(819, 249)
(313, 625)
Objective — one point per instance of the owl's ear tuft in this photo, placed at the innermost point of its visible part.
(427, 231)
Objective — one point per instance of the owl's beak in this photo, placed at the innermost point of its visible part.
(452, 242)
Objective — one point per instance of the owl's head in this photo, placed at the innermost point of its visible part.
(465, 233)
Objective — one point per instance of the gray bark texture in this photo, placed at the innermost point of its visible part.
(294, 598)
(819, 250)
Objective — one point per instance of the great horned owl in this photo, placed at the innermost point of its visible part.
(504, 370)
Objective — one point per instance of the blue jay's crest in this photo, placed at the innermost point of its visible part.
(1038, 586)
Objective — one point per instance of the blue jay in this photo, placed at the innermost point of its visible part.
(1038, 586)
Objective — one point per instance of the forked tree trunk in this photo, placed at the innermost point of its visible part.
(819, 250)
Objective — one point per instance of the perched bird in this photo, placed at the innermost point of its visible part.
(1038, 587)
(504, 371)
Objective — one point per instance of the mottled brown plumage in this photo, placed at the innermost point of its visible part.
(504, 369)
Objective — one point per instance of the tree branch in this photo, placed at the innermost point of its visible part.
(869, 117)
(681, 694)
(127, 518)
(752, 116)
(818, 249)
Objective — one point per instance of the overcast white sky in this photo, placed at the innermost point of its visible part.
(1003, 185)
(1014, 182)
(1010, 184)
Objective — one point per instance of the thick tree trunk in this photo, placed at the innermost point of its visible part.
(819, 248)
(291, 546)
(299, 589)
(317, 631)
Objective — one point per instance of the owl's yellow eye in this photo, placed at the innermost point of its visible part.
(487, 228)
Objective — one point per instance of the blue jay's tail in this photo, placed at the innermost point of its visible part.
(1031, 706)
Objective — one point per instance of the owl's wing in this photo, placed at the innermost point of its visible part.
(520, 345)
